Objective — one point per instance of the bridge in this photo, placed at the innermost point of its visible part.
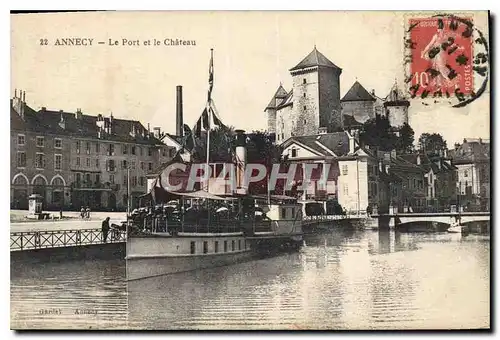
(397, 219)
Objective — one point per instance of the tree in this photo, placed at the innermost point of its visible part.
(221, 143)
(405, 140)
(431, 143)
(377, 132)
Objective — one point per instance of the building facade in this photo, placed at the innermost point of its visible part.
(473, 163)
(75, 159)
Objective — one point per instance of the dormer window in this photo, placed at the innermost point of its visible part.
(294, 152)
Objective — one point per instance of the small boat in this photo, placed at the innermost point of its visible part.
(456, 228)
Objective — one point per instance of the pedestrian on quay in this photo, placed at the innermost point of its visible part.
(87, 212)
(82, 212)
(60, 213)
(105, 230)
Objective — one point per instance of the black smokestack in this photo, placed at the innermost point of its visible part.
(179, 124)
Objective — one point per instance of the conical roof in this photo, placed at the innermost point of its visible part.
(396, 94)
(277, 98)
(357, 93)
(315, 58)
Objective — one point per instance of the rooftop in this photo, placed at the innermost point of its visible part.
(81, 125)
(357, 93)
(337, 142)
(315, 58)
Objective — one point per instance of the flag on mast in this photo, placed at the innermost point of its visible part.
(209, 118)
(210, 75)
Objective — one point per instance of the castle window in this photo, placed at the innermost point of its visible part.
(304, 94)
(304, 81)
(305, 108)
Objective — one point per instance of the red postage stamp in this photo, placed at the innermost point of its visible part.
(441, 57)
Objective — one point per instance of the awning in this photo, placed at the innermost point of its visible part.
(198, 194)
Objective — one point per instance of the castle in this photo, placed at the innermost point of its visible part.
(314, 105)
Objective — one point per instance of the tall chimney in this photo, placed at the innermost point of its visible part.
(15, 93)
(179, 123)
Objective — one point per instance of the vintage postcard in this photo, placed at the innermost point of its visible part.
(255, 170)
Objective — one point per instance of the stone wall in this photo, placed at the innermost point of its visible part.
(305, 118)
(329, 98)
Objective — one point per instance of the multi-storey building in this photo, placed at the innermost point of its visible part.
(472, 159)
(440, 179)
(353, 178)
(76, 159)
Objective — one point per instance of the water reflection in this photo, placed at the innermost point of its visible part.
(339, 280)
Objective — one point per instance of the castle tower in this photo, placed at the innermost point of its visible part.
(316, 95)
(271, 108)
(396, 107)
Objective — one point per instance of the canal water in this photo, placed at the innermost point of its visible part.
(340, 280)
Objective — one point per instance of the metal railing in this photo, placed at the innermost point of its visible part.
(333, 217)
(62, 238)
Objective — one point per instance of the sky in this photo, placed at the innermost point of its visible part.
(253, 52)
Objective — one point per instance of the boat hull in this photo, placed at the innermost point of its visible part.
(138, 268)
(149, 256)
